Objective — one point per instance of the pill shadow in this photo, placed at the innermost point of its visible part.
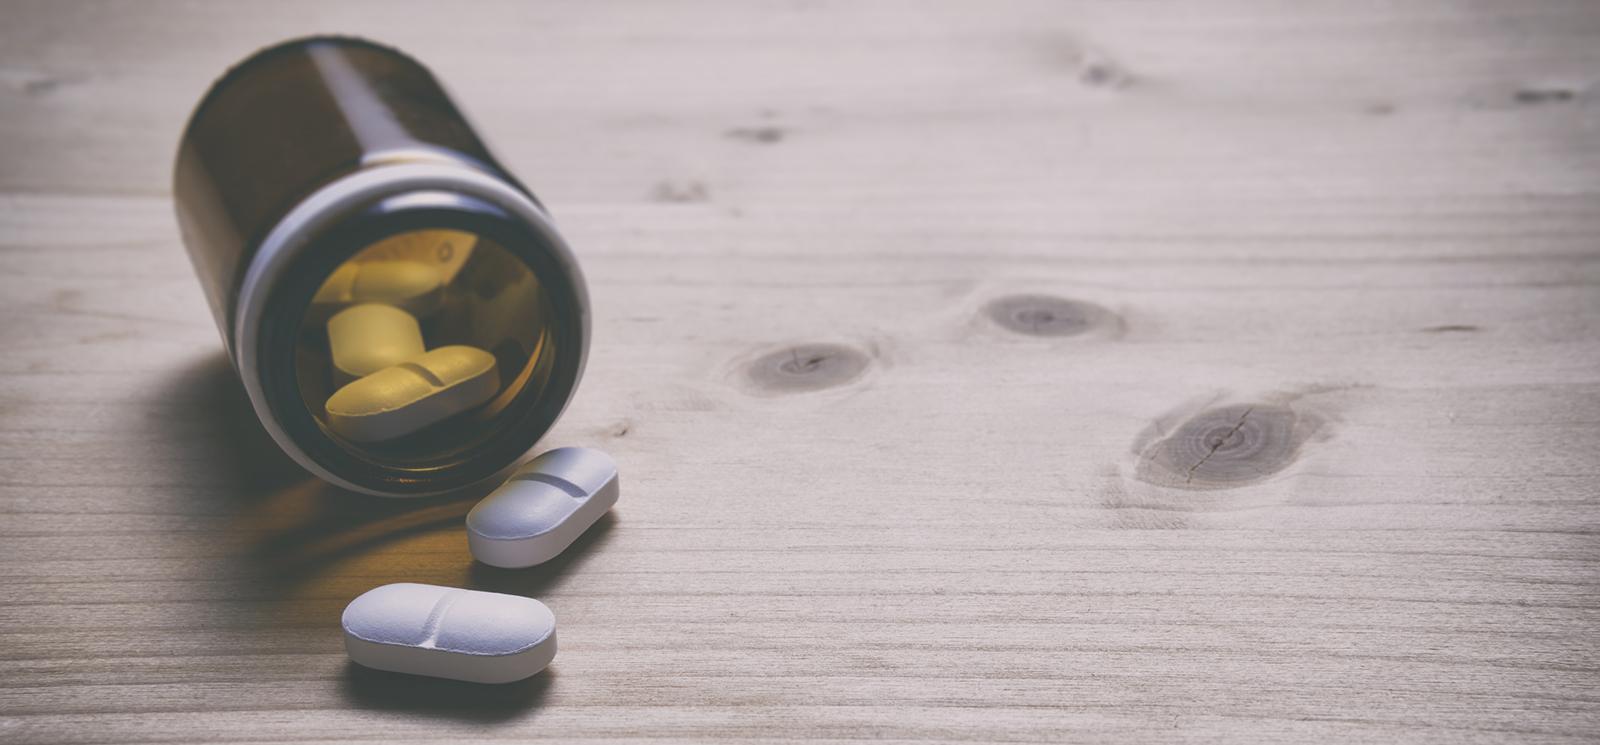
(482, 703)
(541, 580)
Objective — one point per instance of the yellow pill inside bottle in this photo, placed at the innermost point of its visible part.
(366, 338)
(410, 396)
(412, 286)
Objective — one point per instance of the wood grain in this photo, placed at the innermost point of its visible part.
(1021, 371)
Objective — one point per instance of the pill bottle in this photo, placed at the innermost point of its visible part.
(326, 173)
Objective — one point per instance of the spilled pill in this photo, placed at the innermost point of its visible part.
(412, 285)
(542, 508)
(366, 338)
(404, 398)
(444, 632)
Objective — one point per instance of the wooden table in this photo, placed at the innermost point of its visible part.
(1023, 371)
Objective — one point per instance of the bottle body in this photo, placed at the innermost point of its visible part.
(328, 175)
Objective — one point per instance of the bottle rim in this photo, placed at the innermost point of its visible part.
(352, 212)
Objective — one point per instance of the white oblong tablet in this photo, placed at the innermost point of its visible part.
(404, 398)
(545, 505)
(445, 632)
(366, 338)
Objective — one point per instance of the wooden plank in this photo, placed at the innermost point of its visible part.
(1034, 259)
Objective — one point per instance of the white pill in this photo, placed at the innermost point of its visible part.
(542, 508)
(413, 285)
(404, 398)
(444, 632)
(366, 338)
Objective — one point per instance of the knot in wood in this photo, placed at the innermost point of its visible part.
(807, 367)
(1225, 447)
(1043, 315)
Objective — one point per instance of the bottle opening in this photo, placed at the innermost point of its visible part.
(412, 349)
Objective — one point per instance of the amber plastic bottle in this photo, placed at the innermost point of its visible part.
(317, 159)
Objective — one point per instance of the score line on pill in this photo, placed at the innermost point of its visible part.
(545, 505)
(445, 632)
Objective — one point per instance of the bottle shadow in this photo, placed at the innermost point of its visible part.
(294, 530)
(293, 525)
(204, 410)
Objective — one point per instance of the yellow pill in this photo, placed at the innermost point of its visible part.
(444, 250)
(411, 285)
(408, 397)
(369, 337)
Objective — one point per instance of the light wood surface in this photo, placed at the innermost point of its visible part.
(1021, 371)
